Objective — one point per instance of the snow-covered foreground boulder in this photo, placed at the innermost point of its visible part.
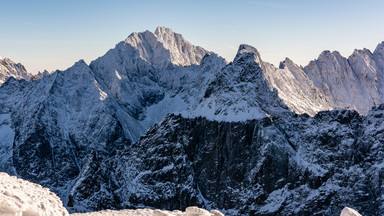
(349, 212)
(190, 211)
(22, 198)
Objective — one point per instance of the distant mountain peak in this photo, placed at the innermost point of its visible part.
(284, 63)
(81, 63)
(160, 30)
(164, 47)
(8, 68)
(380, 48)
(362, 51)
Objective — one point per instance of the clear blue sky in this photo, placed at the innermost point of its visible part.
(55, 34)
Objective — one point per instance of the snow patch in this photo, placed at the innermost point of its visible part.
(103, 95)
(349, 212)
(156, 112)
(117, 75)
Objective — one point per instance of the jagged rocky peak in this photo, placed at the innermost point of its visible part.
(8, 68)
(379, 48)
(78, 70)
(378, 55)
(164, 47)
(288, 63)
(245, 50)
(80, 64)
(182, 52)
(353, 83)
(327, 59)
(42, 74)
(364, 65)
(331, 61)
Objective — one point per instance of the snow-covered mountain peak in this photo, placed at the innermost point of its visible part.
(288, 63)
(364, 51)
(80, 64)
(327, 55)
(163, 47)
(40, 74)
(8, 68)
(161, 30)
(182, 52)
(380, 48)
(245, 51)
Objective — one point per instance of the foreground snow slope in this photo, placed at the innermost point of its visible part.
(20, 197)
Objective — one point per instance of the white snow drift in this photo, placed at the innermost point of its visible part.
(22, 198)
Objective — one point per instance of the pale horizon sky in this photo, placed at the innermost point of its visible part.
(54, 35)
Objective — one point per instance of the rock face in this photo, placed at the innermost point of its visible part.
(8, 68)
(96, 134)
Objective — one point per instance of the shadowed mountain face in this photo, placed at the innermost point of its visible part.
(159, 122)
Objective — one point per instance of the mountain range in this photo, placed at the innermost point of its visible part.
(158, 122)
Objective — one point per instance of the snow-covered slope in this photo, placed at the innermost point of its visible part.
(20, 197)
(295, 88)
(8, 68)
